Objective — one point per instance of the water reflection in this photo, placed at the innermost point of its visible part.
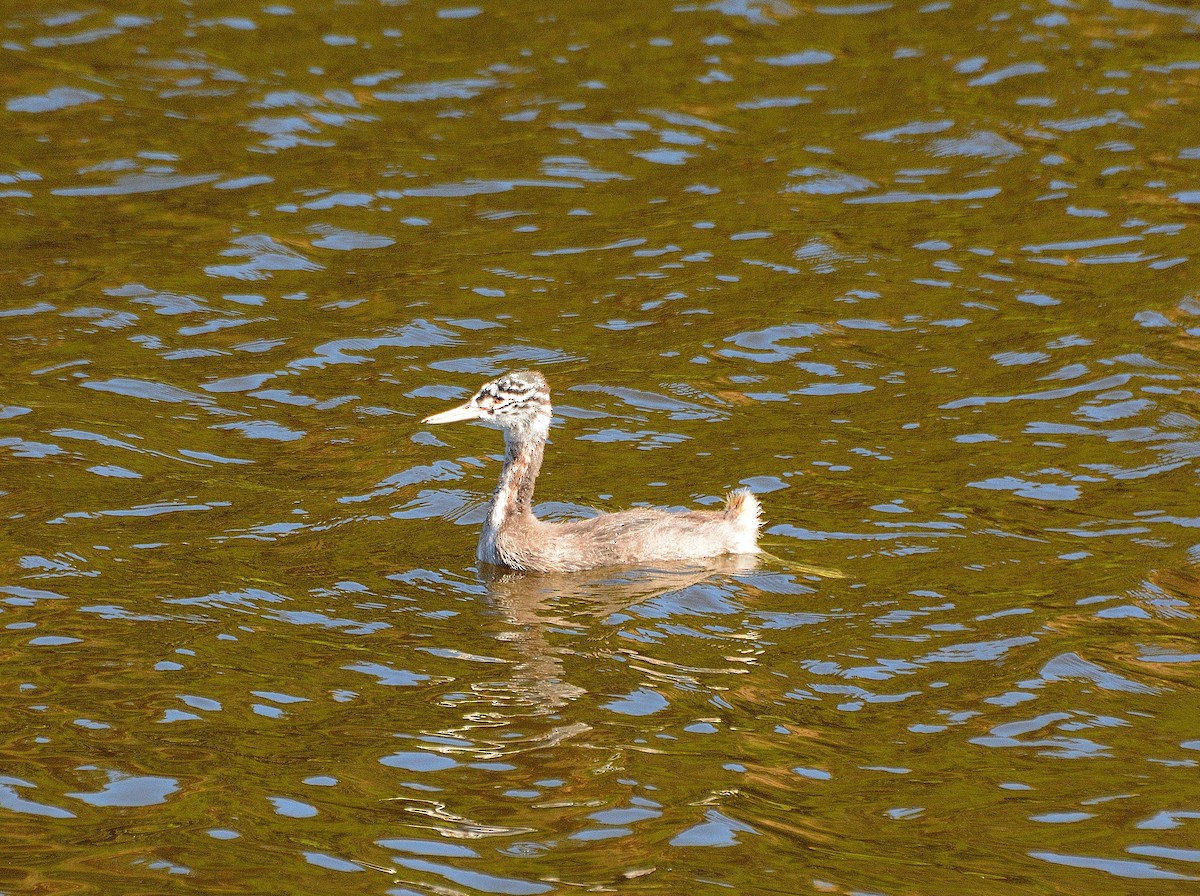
(535, 605)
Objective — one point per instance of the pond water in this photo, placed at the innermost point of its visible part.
(921, 276)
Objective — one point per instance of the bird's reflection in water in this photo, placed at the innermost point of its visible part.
(532, 605)
(539, 614)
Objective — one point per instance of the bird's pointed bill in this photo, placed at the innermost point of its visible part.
(466, 411)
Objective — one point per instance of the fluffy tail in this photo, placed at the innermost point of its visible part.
(744, 511)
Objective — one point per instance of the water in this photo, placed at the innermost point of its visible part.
(921, 277)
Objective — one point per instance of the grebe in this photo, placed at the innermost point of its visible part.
(519, 403)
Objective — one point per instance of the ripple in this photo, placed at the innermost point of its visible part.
(451, 89)
(151, 391)
(264, 255)
(418, 761)
(388, 677)
(903, 196)
(642, 702)
(476, 880)
(124, 790)
(805, 57)
(979, 145)
(54, 100)
(474, 187)
(332, 863)
(428, 848)
(1015, 70)
(348, 240)
(823, 182)
(911, 129)
(1072, 666)
(1038, 491)
(1126, 868)
(131, 184)
(717, 830)
(14, 802)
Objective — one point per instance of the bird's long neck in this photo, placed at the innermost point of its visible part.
(523, 451)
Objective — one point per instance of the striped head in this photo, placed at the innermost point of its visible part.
(518, 402)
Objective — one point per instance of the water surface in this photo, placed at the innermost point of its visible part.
(922, 277)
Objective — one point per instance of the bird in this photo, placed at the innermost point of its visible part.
(513, 537)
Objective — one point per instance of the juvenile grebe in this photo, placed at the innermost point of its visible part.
(519, 403)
